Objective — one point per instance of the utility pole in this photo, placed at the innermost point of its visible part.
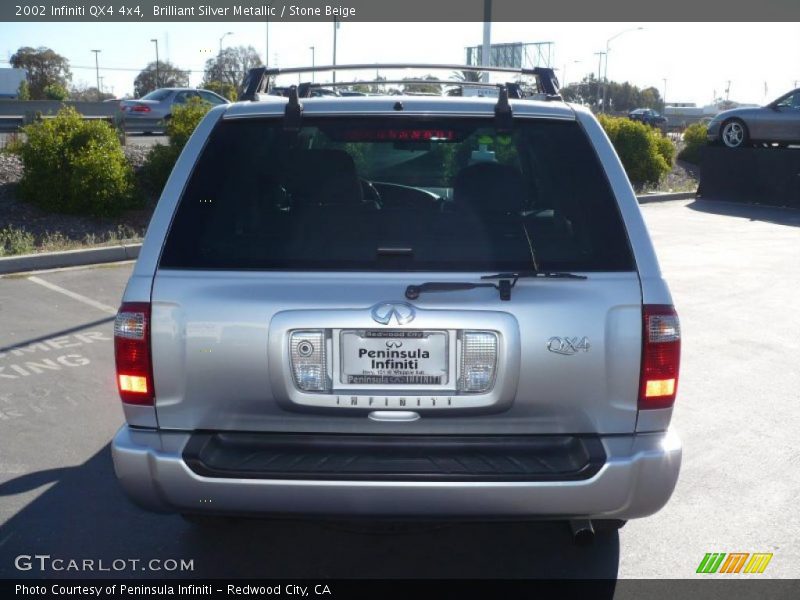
(728, 91)
(97, 68)
(486, 59)
(100, 89)
(664, 99)
(313, 63)
(155, 41)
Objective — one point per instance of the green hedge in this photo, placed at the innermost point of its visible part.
(75, 166)
(694, 139)
(161, 159)
(645, 153)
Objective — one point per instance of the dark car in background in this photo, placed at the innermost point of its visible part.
(153, 111)
(648, 116)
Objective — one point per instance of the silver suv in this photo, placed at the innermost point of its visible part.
(399, 306)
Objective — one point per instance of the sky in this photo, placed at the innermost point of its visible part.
(760, 60)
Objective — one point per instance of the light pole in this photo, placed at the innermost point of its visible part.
(313, 63)
(224, 35)
(608, 49)
(155, 41)
(599, 56)
(97, 68)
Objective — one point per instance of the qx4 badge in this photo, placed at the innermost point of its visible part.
(568, 345)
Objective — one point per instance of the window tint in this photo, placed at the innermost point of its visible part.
(397, 194)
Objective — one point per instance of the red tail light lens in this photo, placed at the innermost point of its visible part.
(661, 356)
(140, 108)
(132, 353)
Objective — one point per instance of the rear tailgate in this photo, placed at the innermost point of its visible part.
(569, 360)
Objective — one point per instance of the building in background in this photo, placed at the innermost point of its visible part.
(10, 80)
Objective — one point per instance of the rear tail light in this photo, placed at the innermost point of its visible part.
(661, 356)
(478, 361)
(309, 367)
(132, 353)
(143, 108)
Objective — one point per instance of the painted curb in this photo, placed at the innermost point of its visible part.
(647, 198)
(69, 258)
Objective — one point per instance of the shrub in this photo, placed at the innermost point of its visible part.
(694, 139)
(75, 166)
(15, 241)
(645, 153)
(54, 91)
(24, 91)
(162, 158)
(226, 90)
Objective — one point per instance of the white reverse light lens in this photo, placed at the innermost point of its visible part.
(129, 325)
(478, 361)
(663, 328)
(308, 360)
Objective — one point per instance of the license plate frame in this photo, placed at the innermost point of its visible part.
(388, 368)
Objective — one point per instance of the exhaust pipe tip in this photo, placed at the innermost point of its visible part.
(582, 532)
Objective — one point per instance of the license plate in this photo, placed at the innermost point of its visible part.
(394, 357)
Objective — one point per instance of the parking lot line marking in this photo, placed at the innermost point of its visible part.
(57, 288)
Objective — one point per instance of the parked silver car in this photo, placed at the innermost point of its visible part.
(152, 111)
(398, 306)
(776, 123)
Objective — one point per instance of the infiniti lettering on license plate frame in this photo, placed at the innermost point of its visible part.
(381, 357)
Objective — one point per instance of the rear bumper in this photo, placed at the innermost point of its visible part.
(636, 480)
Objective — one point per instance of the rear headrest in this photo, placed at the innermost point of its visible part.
(490, 187)
(322, 178)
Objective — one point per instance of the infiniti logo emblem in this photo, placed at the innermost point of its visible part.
(403, 313)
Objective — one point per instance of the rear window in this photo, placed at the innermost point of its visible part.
(157, 95)
(397, 194)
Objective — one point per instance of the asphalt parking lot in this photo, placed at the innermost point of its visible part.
(734, 274)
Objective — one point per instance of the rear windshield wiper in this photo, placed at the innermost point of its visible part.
(506, 282)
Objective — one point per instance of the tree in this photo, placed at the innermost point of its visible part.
(44, 67)
(168, 76)
(24, 91)
(231, 65)
(225, 90)
(87, 94)
(422, 88)
(468, 76)
(621, 97)
(55, 91)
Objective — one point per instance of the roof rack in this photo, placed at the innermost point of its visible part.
(258, 79)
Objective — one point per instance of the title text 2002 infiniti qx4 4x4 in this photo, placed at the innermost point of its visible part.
(399, 306)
